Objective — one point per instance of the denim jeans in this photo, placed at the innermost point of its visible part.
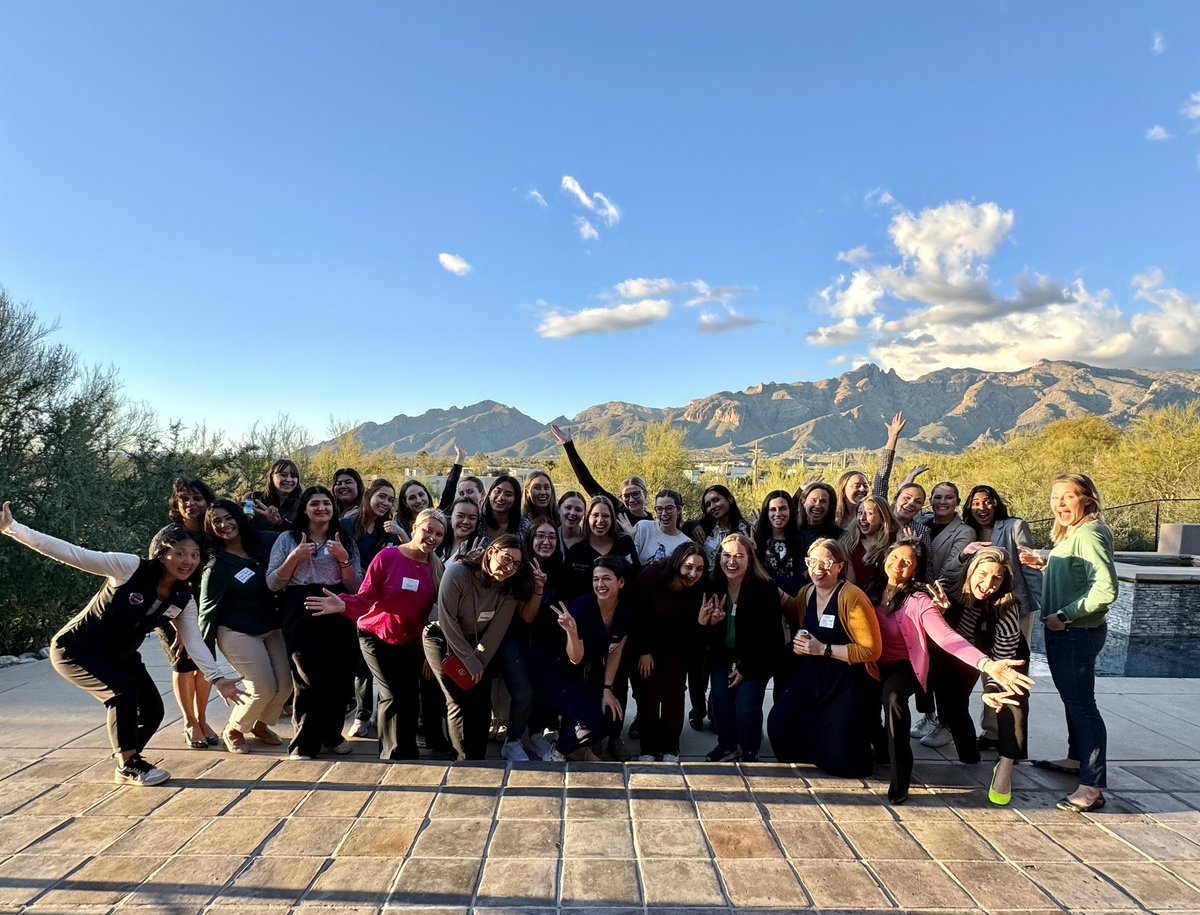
(737, 713)
(1072, 657)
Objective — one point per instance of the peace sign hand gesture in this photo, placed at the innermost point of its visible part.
(539, 577)
(565, 619)
(940, 599)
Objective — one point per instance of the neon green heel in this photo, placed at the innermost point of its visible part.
(1000, 800)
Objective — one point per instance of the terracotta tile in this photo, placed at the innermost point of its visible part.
(280, 880)
(1021, 842)
(16, 793)
(951, 840)
(600, 881)
(302, 773)
(309, 836)
(22, 877)
(1090, 843)
(85, 835)
(741, 839)
(1152, 886)
(476, 775)
(612, 778)
(16, 831)
(355, 881)
(920, 885)
(469, 805)
(999, 885)
(355, 772)
(552, 777)
(334, 803)
(415, 774)
(198, 802)
(407, 805)
(1078, 887)
(813, 841)
(453, 839)
(1160, 843)
(596, 808)
(72, 800)
(379, 837)
(670, 839)
(530, 807)
(598, 839)
(765, 883)
(267, 802)
(680, 882)
(661, 805)
(104, 881)
(436, 881)
(231, 836)
(882, 841)
(132, 802)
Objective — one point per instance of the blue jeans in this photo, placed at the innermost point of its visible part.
(1072, 657)
(737, 713)
(514, 670)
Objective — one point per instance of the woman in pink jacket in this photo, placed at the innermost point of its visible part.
(908, 619)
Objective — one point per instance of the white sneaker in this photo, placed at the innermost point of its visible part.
(645, 757)
(537, 746)
(514, 752)
(299, 756)
(139, 772)
(938, 737)
(359, 729)
(342, 749)
(923, 726)
(555, 756)
(669, 757)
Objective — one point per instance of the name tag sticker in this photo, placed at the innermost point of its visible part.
(410, 584)
(172, 611)
(244, 575)
(826, 621)
(486, 615)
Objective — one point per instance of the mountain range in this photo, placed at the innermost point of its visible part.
(949, 411)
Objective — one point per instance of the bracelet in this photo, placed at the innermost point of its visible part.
(344, 565)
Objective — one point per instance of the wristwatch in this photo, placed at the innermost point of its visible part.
(1062, 617)
(829, 649)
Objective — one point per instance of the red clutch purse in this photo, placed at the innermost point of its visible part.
(453, 668)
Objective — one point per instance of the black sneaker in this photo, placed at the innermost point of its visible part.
(988, 743)
(139, 772)
(720, 754)
(617, 751)
(696, 721)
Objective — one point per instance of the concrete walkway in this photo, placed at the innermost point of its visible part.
(262, 834)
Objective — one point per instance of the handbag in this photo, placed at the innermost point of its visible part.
(457, 671)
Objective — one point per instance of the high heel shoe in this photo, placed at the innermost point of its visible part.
(189, 741)
(1000, 800)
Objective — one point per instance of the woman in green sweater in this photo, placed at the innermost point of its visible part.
(1079, 585)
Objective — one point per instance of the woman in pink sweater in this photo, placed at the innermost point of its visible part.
(908, 620)
(392, 607)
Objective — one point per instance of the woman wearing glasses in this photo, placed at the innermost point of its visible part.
(658, 539)
(476, 602)
(828, 713)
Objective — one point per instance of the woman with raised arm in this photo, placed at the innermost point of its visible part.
(237, 610)
(391, 608)
(347, 491)
(1079, 585)
(322, 651)
(572, 509)
(275, 507)
(866, 542)
(852, 486)
(668, 598)
(603, 539)
(97, 650)
(630, 505)
(909, 620)
(540, 499)
(829, 711)
(744, 629)
(476, 602)
(777, 542)
(187, 504)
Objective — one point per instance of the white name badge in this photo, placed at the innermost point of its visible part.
(172, 611)
(244, 575)
(486, 615)
(826, 621)
(410, 584)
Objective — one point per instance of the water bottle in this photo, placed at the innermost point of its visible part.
(661, 553)
(248, 507)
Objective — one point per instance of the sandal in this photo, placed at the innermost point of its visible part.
(1051, 766)
(189, 741)
(1067, 804)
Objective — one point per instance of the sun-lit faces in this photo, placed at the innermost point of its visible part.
(572, 510)
(464, 521)
(870, 518)
(600, 520)
(716, 505)
(856, 489)
(285, 480)
(778, 513)
(1069, 504)
(502, 498)
(823, 567)
(501, 564)
(319, 508)
(468, 490)
(691, 570)
(909, 503)
(816, 507)
(540, 491)
(416, 499)
(900, 566)
(181, 559)
(667, 512)
(345, 490)
(224, 525)
(944, 502)
(634, 498)
(605, 584)
(428, 535)
(545, 541)
(983, 507)
(191, 504)
(734, 559)
(986, 579)
(383, 501)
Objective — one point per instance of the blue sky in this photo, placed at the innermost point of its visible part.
(329, 210)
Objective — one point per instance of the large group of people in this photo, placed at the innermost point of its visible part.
(511, 604)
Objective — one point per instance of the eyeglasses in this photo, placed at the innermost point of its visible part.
(663, 509)
(545, 538)
(632, 494)
(504, 562)
(821, 565)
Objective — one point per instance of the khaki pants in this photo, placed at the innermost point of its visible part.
(262, 662)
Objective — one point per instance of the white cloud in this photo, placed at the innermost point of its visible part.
(629, 315)
(855, 256)
(454, 264)
(596, 203)
(877, 196)
(706, 293)
(1159, 44)
(536, 196)
(1157, 133)
(1191, 108)
(587, 231)
(641, 287)
(710, 323)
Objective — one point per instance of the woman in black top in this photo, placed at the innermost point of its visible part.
(777, 542)
(275, 507)
(347, 491)
(602, 539)
(816, 504)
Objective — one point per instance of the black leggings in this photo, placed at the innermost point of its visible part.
(952, 682)
(397, 670)
(125, 687)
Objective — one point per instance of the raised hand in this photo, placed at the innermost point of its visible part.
(560, 435)
(565, 620)
(624, 525)
(895, 427)
(941, 599)
(539, 577)
(974, 547)
(912, 475)
(303, 550)
(336, 550)
(6, 518)
(324, 606)
(1006, 674)
(459, 454)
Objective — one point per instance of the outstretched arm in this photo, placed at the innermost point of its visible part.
(118, 566)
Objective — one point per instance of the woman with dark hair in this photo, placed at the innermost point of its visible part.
(668, 598)
(948, 533)
(502, 509)
(348, 491)
(476, 602)
(656, 540)
(545, 552)
(414, 497)
(391, 609)
(777, 542)
(908, 620)
(322, 651)
(237, 610)
(721, 518)
(97, 649)
(828, 712)
(630, 505)
(910, 499)
(572, 509)
(275, 507)
(603, 539)
(1079, 586)
(464, 535)
(745, 630)
(816, 504)
(186, 506)
(866, 542)
(540, 499)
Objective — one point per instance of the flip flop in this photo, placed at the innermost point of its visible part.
(1051, 766)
